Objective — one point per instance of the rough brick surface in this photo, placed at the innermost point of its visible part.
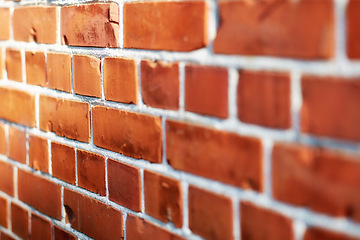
(87, 75)
(330, 107)
(55, 117)
(121, 80)
(163, 198)
(17, 145)
(35, 24)
(38, 153)
(13, 65)
(222, 156)
(7, 178)
(301, 29)
(263, 98)
(63, 162)
(35, 68)
(4, 23)
(324, 180)
(129, 133)
(160, 84)
(19, 221)
(353, 35)
(318, 233)
(185, 28)
(40, 228)
(90, 25)
(4, 212)
(58, 68)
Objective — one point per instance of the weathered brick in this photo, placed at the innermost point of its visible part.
(121, 80)
(40, 193)
(124, 185)
(14, 65)
(17, 145)
(35, 24)
(263, 98)
(93, 25)
(132, 134)
(314, 233)
(300, 29)
(7, 178)
(4, 212)
(63, 162)
(84, 213)
(59, 71)
(35, 68)
(160, 84)
(214, 154)
(163, 198)
(38, 153)
(40, 228)
(20, 221)
(4, 23)
(55, 117)
(87, 77)
(185, 28)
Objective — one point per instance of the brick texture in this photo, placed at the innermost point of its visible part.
(13, 65)
(353, 36)
(40, 228)
(63, 162)
(35, 68)
(4, 212)
(3, 141)
(38, 153)
(318, 233)
(4, 23)
(7, 178)
(17, 145)
(20, 221)
(58, 69)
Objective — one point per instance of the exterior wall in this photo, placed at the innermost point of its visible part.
(168, 120)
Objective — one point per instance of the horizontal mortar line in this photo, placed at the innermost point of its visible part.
(332, 67)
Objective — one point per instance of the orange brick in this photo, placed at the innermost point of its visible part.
(330, 107)
(91, 171)
(87, 77)
(320, 179)
(318, 233)
(263, 98)
(35, 24)
(138, 136)
(4, 212)
(353, 35)
(59, 71)
(93, 25)
(139, 229)
(185, 28)
(17, 145)
(7, 178)
(301, 29)
(40, 228)
(87, 213)
(163, 198)
(38, 153)
(3, 141)
(4, 23)
(210, 215)
(35, 68)
(61, 234)
(121, 80)
(63, 162)
(1, 65)
(20, 221)
(17, 106)
(124, 185)
(14, 65)
(218, 155)
(259, 223)
(55, 117)
(5, 236)
(45, 197)
(160, 84)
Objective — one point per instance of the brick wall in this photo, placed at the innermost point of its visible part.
(236, 119)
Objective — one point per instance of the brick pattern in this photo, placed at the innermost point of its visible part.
(180, 120)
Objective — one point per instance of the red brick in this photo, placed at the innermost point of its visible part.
(91, 171)
(185, 28)
(301, 29)
(353, 35)
(124, 185)
(55, 117)
(35, 68)
(3, 142)
(210, 215)
(14, 65)
(139, 229)
(40, 193)
(40, 228)
(132, 134)
(259, 223)
(4, 212)
(263, 98)
(35, 24)
(5, 236)
(63, 162)
(160, 84)
(20, 221)
(17, 145)
(4, 23)
(330, 107)
(7, 178)
(17, 106)
(206, 90)
(87, 213)
(163, 198)
(323, 180)
(121, 80)
(318, 233)
(214, 154)
(59, 71)
(38, 153)
(61, 234)
(87, 77)
(93, 25)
